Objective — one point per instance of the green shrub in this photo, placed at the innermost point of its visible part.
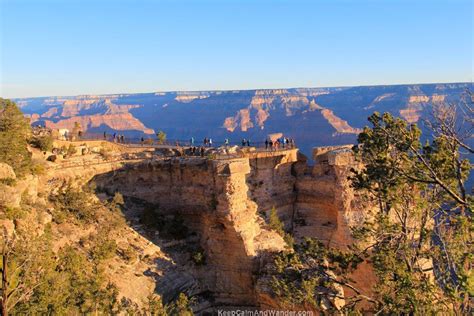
(161, 136)
(276, 224)
(71, 150)
(38, 168)
(128, 254)
(304, 276)
(199, 258)
(73, 201)
(13, 213)
(44, 143)
(103, 248)
(8, 181)
(181, 306)
(15, 131)
(63, 150)
(118, 201)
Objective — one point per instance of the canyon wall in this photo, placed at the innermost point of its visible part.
(226, 201)
(214, 199)
(311, 116)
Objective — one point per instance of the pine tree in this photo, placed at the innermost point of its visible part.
(14, 133)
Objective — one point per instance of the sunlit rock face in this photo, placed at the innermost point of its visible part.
(216, 199)
(312, 116)
(225, 201)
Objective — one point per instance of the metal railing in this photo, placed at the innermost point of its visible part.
(153, 142)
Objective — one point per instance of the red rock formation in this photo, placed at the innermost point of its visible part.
(339, 124)
(115, 121)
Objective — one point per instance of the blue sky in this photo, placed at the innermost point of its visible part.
(52, 47)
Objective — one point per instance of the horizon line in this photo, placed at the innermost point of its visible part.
(252, 89)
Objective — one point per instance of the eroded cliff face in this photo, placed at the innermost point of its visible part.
(311, 116)
(92, 113)
(284, 102)
(224, 203)
(215, 200)
(326, 206)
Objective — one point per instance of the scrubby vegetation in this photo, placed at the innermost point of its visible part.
(310, 275)
(161, 136)
(15, 132)
(419, 235)
(276, 224)
(73, 202)
(199, 257)
(43, 277)
(43, 142)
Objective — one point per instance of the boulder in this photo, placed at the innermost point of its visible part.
(52, 158)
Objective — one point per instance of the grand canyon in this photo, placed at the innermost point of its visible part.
(312, 116)
(214, 225)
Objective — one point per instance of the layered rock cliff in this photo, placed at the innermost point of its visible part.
(223, 202)
(312, 116)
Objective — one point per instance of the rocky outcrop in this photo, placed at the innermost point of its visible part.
(417, 103)
(24, 189)
(326, 205)
(117, 122)
(186, 97)
(216, 199)
(91, 112)
(339, 125)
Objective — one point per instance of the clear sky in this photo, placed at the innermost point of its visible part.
(52, 47)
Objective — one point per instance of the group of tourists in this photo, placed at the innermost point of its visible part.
(207, 142)
(197, 151)
(270, 144)
(280, 142)
(245, 142)
(117, 138)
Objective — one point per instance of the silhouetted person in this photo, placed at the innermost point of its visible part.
(248, 142)
(105, 136)
(266, 143)
(142, 140)
(122, 139)
(202, 151)
(243, 142)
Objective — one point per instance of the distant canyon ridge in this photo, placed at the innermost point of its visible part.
(311, 116)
